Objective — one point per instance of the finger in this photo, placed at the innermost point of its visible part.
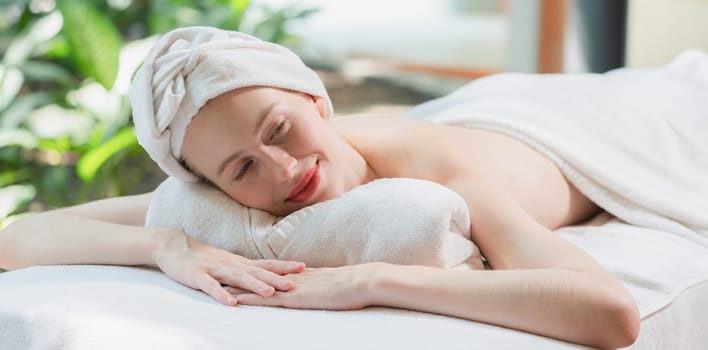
(214, 289)
(244, 280)
(279, 282)
(279, 267)
(257, 300)
(236, 290)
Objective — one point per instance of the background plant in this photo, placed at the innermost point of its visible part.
(65, 129)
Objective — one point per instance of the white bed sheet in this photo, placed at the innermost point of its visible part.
(108, 307)
(683, 324)
(88, 307)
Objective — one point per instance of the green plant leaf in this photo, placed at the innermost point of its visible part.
(95, 42)
(11, 80)
(272, 27)
(238, 8)
(17, 137)
(104, 105)
(97, 135)
(305, 13)
(38, 32)
(56, 122)
(21, 107)
(217, 16)
(58, 47)
(59, 144)
(13, 2)
(10, 177)
(91, 162)
(47, 71)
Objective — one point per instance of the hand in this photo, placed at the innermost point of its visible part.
(339, 288)
(196, 264)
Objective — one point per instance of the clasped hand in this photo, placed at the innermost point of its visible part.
(232, 279)
(200, 266)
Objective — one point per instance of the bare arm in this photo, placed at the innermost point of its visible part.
(108, 231)
(111, 231)
(541, 283)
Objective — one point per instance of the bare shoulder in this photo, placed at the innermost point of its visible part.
(388, 142)
(379, 129)
(398, 146)
(126, 210)
(370, 122)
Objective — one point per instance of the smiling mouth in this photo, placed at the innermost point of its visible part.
(307, 186)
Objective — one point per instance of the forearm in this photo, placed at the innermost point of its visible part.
(561, 304)
(64, 238)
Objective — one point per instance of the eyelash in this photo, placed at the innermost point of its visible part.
(243, 169)
(247, 165)
(277, 130)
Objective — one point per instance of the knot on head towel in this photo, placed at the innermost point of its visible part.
(188, 67)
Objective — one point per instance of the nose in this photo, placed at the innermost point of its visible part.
(282, 166)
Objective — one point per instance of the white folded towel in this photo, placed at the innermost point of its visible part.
(635, 141)
(189, 66)
(400, 221)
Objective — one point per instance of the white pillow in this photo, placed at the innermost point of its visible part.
(400, 221)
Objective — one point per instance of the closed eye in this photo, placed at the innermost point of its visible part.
(244, 169)
(276, 131)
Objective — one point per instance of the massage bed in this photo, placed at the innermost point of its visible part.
(110, 307)
(653, 236)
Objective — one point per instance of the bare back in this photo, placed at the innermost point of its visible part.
(403, 147)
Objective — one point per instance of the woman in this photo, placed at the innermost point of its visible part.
(249, 118)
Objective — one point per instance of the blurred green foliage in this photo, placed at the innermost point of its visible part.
(65, 130)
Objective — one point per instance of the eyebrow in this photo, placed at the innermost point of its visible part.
(238, 153)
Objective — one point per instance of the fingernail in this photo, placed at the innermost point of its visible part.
(264, 289)
(231, 300)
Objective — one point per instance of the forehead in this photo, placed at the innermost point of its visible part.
(242, 100)
(240, 109)
(230, 122)
(245, 106)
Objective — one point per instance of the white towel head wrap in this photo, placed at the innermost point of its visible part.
(189, 66)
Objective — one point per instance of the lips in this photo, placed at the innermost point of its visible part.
(307, 186)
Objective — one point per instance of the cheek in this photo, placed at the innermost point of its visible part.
(316, 135)
(243, 195)
(251, 195)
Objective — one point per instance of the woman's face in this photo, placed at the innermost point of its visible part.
(268, 149)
